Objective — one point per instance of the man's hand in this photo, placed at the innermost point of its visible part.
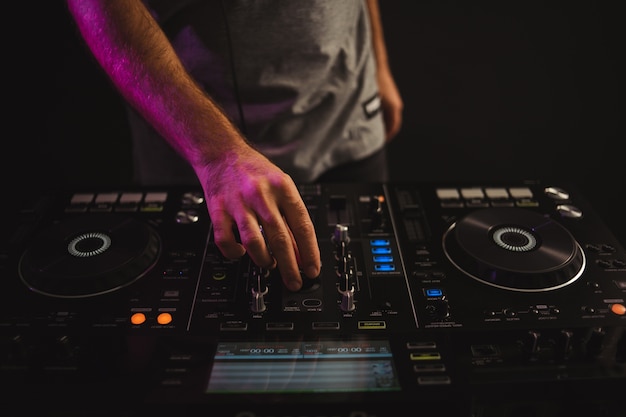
(245, 190)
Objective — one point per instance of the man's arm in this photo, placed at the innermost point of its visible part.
(390, 96)
(242, 187)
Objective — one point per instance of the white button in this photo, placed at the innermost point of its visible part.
(472, 193)
(496, 193)
(520, 192)
(447, 193)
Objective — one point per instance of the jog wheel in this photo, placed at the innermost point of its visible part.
(514, 249)
(89, 256)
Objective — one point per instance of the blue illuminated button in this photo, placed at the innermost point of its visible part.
(381, 250)
(383, 258)
(385, 267)
(379, 242)
(433, 292)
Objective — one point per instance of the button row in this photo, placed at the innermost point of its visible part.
(427, 363)
(485, 197)
(242, 326)
(114, 201)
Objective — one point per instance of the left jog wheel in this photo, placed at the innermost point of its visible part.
(89, 255)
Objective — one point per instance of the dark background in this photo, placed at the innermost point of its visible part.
(519, 90)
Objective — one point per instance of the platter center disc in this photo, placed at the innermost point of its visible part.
(89, 244)
(514, 239)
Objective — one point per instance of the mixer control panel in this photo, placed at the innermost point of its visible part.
(427, 292)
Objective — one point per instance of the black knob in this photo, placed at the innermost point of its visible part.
(595, 342)
(530, 343)
(438, 309)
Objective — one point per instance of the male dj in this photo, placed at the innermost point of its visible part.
(248, 97)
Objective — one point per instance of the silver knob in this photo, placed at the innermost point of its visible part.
(341, 234)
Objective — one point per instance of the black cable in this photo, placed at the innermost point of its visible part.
(232, 70)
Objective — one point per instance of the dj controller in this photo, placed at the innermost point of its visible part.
(457, 299)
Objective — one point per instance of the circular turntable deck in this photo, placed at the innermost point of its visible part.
(88, 256)
(514, 249)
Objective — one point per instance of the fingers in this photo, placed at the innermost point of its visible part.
(274, 228)
(304, 238)
(224, 235)
(284, 249)
(254, 241)
(250, 234)
(290, 234)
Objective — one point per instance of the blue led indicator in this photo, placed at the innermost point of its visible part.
(433, 292)
(385, 267)
(381, 250)
(383, 258)
(379, 242)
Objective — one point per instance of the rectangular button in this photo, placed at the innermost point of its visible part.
(425, 356)
(429, 367)
(325, 325)
(434, 380)
(372, 325)
(281, 325)
(421, 345)
(384, 267)
(234, 326)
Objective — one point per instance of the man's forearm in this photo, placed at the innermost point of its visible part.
(139, 59)
(378, 38)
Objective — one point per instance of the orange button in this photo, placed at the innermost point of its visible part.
(164, 318)
(138, 318)
(618, 309)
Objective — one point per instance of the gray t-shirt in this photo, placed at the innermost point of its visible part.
(305, 78)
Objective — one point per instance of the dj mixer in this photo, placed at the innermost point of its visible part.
(487, 299)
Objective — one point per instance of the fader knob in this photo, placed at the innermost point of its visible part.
(258, 289)
(347, 300)
(530, 343)
(341, 240)
(65, 349)
(595, 342)
(340, 234)
(563, 345)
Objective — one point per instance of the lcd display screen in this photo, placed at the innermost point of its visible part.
(320, 366)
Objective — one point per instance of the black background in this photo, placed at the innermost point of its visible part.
(518, 90)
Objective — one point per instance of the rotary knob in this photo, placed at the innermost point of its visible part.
(340, 235)
(556, 193)
(193, 198)
(569, 211)
(187, 216)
